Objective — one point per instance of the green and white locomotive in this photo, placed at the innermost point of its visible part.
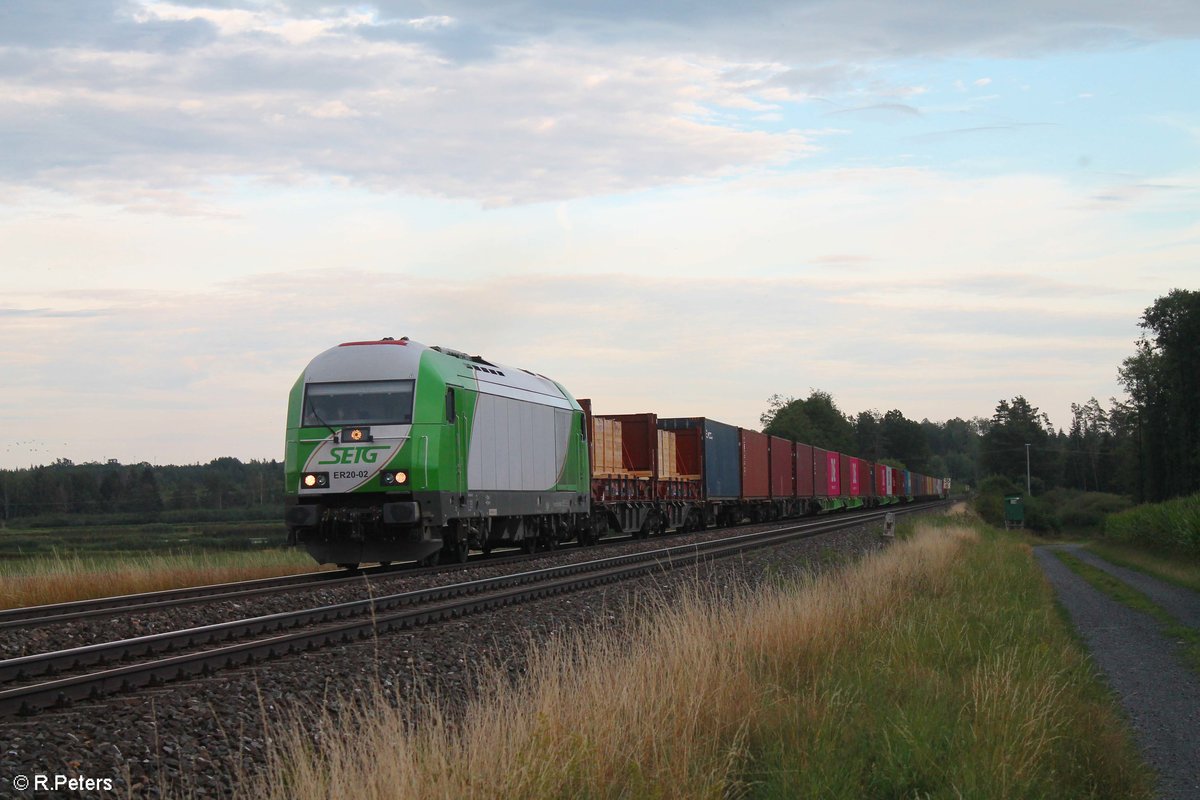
(397, 451)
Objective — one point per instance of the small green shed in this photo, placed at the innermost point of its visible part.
(1014, 511)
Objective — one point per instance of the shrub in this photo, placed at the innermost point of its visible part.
(1172, 527)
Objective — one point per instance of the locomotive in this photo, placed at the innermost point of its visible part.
(397, 451)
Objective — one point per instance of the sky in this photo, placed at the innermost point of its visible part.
(674, 207)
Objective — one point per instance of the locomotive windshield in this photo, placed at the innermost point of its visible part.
(358, 403)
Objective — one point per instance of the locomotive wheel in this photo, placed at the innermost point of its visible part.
(455, 552)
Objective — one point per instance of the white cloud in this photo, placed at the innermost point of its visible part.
(386, 115)
(840, 279)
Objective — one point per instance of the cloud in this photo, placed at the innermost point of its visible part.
(48, 313)
(882, 109)
(388, 116)
(508, 102)
(221, 360)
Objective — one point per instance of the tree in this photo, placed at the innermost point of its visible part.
(868, 433)
(1014, 425)
(904, 439)
(816, 421)
(1087, 448)
(1163, 381)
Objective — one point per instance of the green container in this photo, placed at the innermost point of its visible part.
(1014, 509)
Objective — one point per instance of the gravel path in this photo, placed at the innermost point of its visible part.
(1159, 694)
(1180, 602)
(202, 738)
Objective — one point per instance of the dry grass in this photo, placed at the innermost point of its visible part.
(62, 578)
(928, 669)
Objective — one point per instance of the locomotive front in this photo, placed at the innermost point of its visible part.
(350, 454)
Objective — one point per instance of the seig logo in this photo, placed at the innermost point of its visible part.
(366, 454)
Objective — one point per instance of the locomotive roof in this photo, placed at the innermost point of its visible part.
(401, 358)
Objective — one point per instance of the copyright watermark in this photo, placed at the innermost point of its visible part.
(61, 783)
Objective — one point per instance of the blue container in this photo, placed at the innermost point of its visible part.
(908, 485)
(722, 454)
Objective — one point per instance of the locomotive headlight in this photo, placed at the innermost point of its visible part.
(393, 478)
(315, 480)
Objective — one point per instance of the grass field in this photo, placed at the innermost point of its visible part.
(59, 578)
(938, 668)
(33, 543)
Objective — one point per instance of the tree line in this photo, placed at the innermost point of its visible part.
(65, 491)
(1146, 447)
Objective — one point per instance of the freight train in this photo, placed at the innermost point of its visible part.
(396, 451)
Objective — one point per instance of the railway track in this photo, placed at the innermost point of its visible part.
(216, 647)
(57, 613)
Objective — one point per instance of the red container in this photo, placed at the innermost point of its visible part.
(833, 473)
(897, 482)
(881, 483)
(689, 452)
(820, 472)
(783, 465)
(756, 465)
(804, 470)
(851, 476)
(639, 443)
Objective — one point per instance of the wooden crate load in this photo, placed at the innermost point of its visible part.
(668, 462)
(606, 447)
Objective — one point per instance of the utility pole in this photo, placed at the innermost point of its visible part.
(1028, 490)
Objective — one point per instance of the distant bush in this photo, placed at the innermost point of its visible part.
(999, 485)
(1049, 512)
(1041, 515)
(990, 508)
(1078, 510)
(989, 501)
(1172, 526)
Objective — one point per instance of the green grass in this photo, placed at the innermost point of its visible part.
(1126, 595)
(940, 667)
(975, 688)
(17, 543)
(1180, 570)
